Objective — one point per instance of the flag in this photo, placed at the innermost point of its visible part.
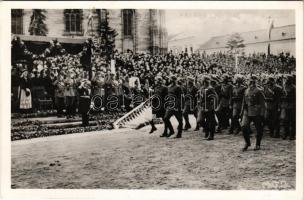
(270, 27)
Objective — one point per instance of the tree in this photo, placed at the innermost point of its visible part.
(107, 34)
(235, 44)
(37, 24)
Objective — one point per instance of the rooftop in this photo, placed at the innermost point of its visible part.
(250, 37)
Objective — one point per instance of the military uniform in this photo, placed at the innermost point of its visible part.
(190, 103)
(59, 96)
(252, 112)
(272, 95)
(158, 104)
(225, 97)
(84, 101)
(70, 96)
(236, 103)
(173, 107)
(288, 108)
(206, 115)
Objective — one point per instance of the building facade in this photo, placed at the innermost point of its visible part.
(141, 30)
(282, 39)
(182, 43)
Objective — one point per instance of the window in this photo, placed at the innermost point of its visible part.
(103, 15)
(17, 21)
(73, 20)
(127, 22)
(283, 34)
(256, 37)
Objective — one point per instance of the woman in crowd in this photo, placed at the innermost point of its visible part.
(25, 96)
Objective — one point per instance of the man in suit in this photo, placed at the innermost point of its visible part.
(253, 104)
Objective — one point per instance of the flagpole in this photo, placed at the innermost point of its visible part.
(236, 63)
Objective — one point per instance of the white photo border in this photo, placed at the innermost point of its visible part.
(5, 79)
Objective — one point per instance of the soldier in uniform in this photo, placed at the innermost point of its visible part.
(252, 112)
(158, 102)
(206, 105)
(237, 99)
(272, 95)
(190, 102)
(173, 107)
(225, 97)
(288, 107)
(59, 94)
(84, 100)
(70, 94)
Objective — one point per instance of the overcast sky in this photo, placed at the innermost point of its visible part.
(208, 23)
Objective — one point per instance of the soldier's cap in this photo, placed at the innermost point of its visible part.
(225, 78)
(238, 79)
(270, 79)
(191, 79)
(24, 70)
(204, 78)
(158, 78)
(253, 78)
(173, 77)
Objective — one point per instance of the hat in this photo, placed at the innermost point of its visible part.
(190, 79)
(253, 78)
(173, 77)
(238, 79)
(270, 79)
(225, 78)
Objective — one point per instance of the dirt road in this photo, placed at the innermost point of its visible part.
(138, 160)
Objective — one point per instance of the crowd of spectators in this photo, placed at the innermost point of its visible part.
(45, 70)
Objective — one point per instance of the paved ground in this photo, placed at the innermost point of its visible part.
(137, 160)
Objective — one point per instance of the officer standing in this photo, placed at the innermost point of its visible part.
(59, 94)
(173, 107)
(84, 100)
(70, 94)
(252, 112)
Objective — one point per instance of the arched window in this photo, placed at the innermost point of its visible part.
(127, 22)
(73, 21)
(17, 21)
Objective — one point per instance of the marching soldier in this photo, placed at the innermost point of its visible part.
(223, 109)
(237, 99)
(190, 102)
(158, 103)
(207, 103)
(173, 107)
(288, 107)
(252, 112)
(272, 100)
